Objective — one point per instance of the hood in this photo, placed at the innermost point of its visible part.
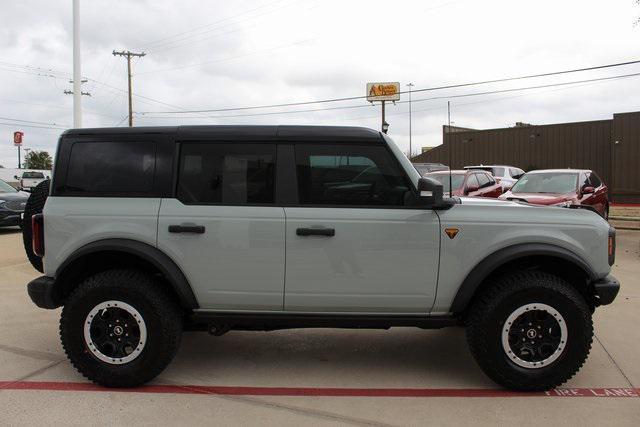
(538, 198)
(20, 195)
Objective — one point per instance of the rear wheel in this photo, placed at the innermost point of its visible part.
(120, 329)
(530, 331)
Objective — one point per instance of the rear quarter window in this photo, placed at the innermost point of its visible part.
(110, 168)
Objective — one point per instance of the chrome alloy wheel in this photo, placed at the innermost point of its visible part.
(115, 332)
(534, 335)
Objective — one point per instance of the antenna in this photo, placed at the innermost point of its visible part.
(449, 131)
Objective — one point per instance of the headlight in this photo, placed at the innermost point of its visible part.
(565, 204)
(1, 203)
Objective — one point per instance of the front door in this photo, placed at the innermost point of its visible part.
(223, 228)
(354, 243)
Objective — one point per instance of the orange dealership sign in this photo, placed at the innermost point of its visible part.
(389, 91)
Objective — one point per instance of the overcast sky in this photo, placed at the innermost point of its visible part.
(210, 54)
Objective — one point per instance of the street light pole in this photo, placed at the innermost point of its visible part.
(410, 85)
(77, 76)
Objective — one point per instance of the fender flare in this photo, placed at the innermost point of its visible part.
(151, 254)
(493, 261)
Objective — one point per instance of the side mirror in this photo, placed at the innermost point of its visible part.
(588, 190)
(15, 177)
(429, 192)
(471, 189)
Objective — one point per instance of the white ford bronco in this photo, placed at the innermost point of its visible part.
(146, 232)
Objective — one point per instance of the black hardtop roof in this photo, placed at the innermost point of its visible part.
(221, 132)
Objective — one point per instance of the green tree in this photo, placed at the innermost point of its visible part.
(38, 160)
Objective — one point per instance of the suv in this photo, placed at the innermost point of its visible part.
(505, 175)
(562, 187)
(30, 179)
(151, 231)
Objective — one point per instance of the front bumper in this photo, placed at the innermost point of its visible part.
(42, 292)
(606, 289)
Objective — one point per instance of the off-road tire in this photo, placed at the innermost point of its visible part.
(162, 316)
(34, 205)
(487, 318)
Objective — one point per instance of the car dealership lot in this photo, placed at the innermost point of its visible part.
(396, 377)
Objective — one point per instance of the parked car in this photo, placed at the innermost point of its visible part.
(272, 227)
(12, 203)
(29, 179)
(423, 168)
(472, 183)
(562, 187)
(505, 175)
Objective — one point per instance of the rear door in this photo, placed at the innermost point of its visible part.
(223, 227)
(353, 242)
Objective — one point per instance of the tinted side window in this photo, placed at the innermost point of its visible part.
(595, 180)
(111, 168)
(483, 180)
(498, 171)
(228, 174)
(472, 181)
(584, 180)
(355, 175)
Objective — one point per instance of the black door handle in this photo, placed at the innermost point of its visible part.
(198, 229)
(329, 232)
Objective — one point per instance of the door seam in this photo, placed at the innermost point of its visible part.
(284, 275)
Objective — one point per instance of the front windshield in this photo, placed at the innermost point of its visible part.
(552, 182)
(443, 178)
(6, 188)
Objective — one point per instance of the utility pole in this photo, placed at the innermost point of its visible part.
(128, 55)
(410, 85)
(77, 80)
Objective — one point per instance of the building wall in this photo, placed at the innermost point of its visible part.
(583, 145)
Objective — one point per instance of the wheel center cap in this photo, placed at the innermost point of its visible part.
(531, 333)
(118, 330)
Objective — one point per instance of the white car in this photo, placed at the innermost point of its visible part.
(30, 179)
(505, 175)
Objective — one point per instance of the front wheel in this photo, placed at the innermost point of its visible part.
(530, 331)
(119, 328)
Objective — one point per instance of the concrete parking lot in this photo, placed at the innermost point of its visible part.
(403, 376)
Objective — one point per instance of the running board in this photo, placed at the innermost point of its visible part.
(219, 323)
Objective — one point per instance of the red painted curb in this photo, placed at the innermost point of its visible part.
(320, 391)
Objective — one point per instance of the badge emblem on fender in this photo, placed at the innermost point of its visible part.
(451, 232)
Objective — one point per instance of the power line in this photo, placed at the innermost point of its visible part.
(184, 41)
(229, 58)
(599, 79)
(30, 126)
(30, 121)
(453, 86)
(157, 42)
